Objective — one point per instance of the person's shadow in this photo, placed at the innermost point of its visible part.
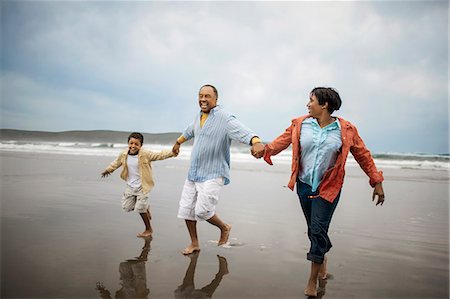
(188, 290)
(132, 276)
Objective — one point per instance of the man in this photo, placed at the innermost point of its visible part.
(213, 129)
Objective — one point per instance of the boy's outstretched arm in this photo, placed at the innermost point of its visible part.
(162, 155)
(113, 166)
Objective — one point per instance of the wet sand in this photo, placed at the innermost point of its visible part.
(63, 235)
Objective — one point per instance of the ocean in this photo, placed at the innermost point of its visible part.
(111, 143)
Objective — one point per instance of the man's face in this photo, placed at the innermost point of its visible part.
(207, 99)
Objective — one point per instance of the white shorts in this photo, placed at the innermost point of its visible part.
(199, 199)
(134, 199)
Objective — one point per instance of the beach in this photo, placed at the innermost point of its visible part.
(64, 235)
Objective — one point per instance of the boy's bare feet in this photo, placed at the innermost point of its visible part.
(224, 235)
(145, 234)
(190, 249)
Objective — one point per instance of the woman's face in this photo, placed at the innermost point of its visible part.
(314, 108)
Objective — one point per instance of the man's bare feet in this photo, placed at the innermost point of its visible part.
(190, 249)
(224, 235)
(145, 234)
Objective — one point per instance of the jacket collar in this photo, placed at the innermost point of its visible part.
(213, 110)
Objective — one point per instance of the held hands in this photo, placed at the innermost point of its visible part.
(176, 148)
(378, 191)
(257, 150)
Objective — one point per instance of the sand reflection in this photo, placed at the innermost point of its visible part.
(187, 288)
(133, 277)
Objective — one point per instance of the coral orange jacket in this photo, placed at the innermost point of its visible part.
(333, 179)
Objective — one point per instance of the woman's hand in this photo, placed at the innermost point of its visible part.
(378, 191)
(257, 150)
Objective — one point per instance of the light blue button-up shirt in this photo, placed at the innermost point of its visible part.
(210, 156)
(319, 150)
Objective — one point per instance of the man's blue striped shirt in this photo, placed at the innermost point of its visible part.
(210, 157)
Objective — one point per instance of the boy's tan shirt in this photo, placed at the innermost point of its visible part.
(145, 168)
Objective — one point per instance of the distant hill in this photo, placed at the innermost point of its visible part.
(95, 136)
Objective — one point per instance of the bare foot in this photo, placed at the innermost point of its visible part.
(311, 289)
(310, 292)
(321, 289)
(190, 249)
(323, 274)
(145, 234)
(224, 234)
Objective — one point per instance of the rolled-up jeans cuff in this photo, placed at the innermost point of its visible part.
(314, 258)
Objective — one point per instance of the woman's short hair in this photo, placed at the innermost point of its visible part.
(328, 95)
(138, 136)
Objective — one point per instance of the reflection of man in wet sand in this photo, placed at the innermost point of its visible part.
(188, 290)
(133, 277)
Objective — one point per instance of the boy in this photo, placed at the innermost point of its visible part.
(137, 172)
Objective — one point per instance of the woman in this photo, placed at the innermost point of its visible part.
(320, 146)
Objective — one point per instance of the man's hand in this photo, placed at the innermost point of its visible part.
(257, 150)
(105, 173)
(378, 191)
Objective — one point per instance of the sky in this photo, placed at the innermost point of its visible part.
(138, 65)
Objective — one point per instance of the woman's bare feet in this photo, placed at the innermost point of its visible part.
(190, 249)
(323, 274)
(311, 290)
(145, 234)
(224, 235)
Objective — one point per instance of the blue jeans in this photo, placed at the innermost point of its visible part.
(318, 213)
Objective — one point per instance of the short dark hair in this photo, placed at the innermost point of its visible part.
(215, 89)
(327, 95)
(138, 136)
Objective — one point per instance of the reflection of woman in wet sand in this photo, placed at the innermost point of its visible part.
(187, 289)
(133, 277)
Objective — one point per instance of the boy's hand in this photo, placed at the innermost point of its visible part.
(105, 173)
(176, 148)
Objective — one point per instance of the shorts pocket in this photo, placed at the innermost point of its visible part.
(141, 203)
(128, 202)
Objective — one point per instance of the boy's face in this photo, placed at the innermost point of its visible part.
(134, 145)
